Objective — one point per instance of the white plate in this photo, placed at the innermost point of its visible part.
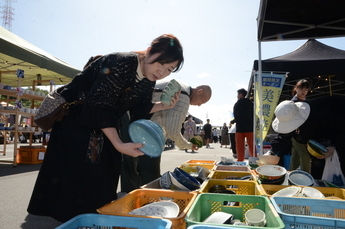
(218, 218)
(288, 192)
(312, 192)
(166, 209)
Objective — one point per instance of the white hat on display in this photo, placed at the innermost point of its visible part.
(290, 115)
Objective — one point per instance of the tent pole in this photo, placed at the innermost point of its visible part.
(259, 101)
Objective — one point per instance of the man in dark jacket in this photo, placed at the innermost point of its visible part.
(243, 116)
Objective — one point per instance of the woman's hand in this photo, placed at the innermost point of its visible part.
(130, 149)
(160, 106)
(195, 147)
(174, 100)
(330, 152)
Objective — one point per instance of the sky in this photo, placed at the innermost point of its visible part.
(219, 38)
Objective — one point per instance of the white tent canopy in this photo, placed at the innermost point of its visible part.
(16, 53)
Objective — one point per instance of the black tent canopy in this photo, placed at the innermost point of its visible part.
(300, 19)
(322, 65)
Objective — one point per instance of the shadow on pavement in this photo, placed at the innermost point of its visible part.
(39, 222)
(9, 169)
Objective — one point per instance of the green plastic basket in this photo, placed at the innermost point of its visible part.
(207, 203)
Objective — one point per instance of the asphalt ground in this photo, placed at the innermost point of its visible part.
(16, 184)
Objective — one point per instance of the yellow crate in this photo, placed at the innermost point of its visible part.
(230, 175)
(232, 168)
(141, 197)
(29, 156)
(207, 166)
(239, 186)
(269, 190)
(200, 162)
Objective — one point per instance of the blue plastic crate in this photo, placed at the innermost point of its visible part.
(310, 213)
(201, 226)
(98, 221)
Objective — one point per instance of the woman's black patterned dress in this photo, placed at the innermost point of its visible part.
(68, 184)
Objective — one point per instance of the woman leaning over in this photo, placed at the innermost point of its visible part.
(70, 182)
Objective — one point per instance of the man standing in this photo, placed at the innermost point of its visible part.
(243, 116)
(189, 129)
(208, 133)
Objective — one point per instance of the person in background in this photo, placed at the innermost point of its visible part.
(299, 153)
(215, 134)
(243, 116)
(189, 129)
(76, 176)
(225, 136)
(207, 133)
(142, 170)
(232, 132)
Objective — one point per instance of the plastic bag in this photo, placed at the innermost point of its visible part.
(332, 171)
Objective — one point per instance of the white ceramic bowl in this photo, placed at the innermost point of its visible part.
(288, 192)
(301, 178)
(269, 159)
(165, 209)
(312, 192)
(270, 172)
(227, 160)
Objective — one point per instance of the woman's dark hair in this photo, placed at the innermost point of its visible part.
(301, 84)
(170, 50)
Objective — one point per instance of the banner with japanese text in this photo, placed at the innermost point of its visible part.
(266, 98)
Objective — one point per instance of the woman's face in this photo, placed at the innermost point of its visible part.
(156, 70)
(301, 93)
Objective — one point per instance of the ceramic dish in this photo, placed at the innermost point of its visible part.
(165, 180)
(312, 192)
(227, 160)
(217, 188)
(219, 218)
(288, 192)
(270, 172)
(275, 181)
(166, 209)
(316, 149)
(176, 185)
(186, 180)
(150, 134)
(169, 91)
(259, 163)
(269, 159)
(301, 178)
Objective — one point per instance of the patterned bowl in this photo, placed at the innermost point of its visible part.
(169, 91)
(186, 180)
(165, 180)
(150, 134)
(270, 172)
(301, 178)
(176, 185)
